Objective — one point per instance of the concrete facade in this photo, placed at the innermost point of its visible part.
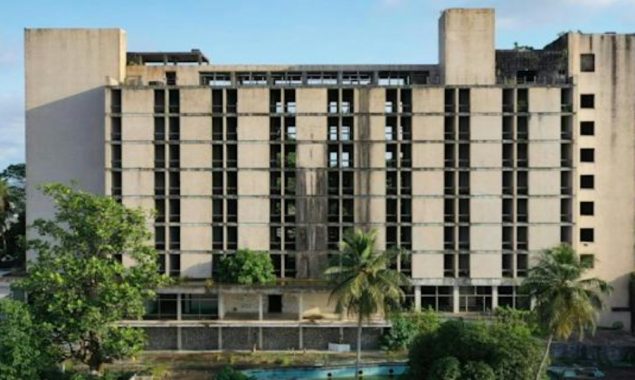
(472, 166)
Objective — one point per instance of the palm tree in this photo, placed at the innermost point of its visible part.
(565, 302)
(363, 281)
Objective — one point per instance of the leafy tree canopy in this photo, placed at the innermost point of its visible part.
(78, 287)
(247, 267)
(509, 350)
(406, 326)
(23, 351)
(12, 214)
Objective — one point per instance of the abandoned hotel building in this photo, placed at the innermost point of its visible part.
(473, 165)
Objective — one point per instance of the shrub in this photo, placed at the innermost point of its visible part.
(405, 327)
(508, 315)
(477, 371)
(517, 354)
(508, 349)
(247, 267)
(23, 351)
(447, 368)
(617, 325)
(228, 373)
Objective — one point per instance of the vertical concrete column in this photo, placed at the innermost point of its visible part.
(220, 338)
(494, 297)
(418, 298)
(300, 306)
(455, 299)
(301, 338)
(221, 306)
(178, 338)
(179, 310)
(260, 308)
(260, 338)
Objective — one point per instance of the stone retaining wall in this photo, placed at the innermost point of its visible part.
(262, 338)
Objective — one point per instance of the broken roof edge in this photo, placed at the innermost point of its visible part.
(193, 56)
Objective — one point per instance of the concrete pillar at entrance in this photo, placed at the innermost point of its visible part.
(300, 306)
(494, 297)
(417, 298)
(455, 298)
(179, 310)
(221, 306)
(260, 308)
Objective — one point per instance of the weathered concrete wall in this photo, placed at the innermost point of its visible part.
(466, 46)
(262, 338)
(612, 84)
(66, 71)
(280, 338)
(161, 338)
(199, 338)
(319, 338)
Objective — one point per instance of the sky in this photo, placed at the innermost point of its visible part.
(282, 31)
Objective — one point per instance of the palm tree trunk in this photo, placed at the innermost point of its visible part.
(358, 359)
(545, 357)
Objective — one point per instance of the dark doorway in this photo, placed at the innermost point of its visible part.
(275, 304)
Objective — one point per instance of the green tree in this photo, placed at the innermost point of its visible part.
(509, 349)
(12, 214)
(78, 287)
(446, 368)
(247, 267)
(228, 373)
(363, 282)
(23, 351)
(5, 215)
(406, 326)
(477, 371)
(565, 302)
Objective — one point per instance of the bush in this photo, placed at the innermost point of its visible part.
(405, 327)
(228, 373)
(23, 351)
(508, 315)
(447, 368)
(247, 267)
(508, 349)
(477, 371)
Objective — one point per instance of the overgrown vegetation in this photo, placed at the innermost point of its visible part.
(567, 302)
(406, 326)
(508, 350)
(228, 373)
(78, 289)
(247, 267)
(23, 346)
(363, 283)
(12, 216)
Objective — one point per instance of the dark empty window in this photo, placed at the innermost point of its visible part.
(587, 128)
(587, 63)
(115, 101)
(587, 155)
(587, 181)
(159, 101)
(587, 101)
(586, 208)
(587, 235)
(170, 78)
